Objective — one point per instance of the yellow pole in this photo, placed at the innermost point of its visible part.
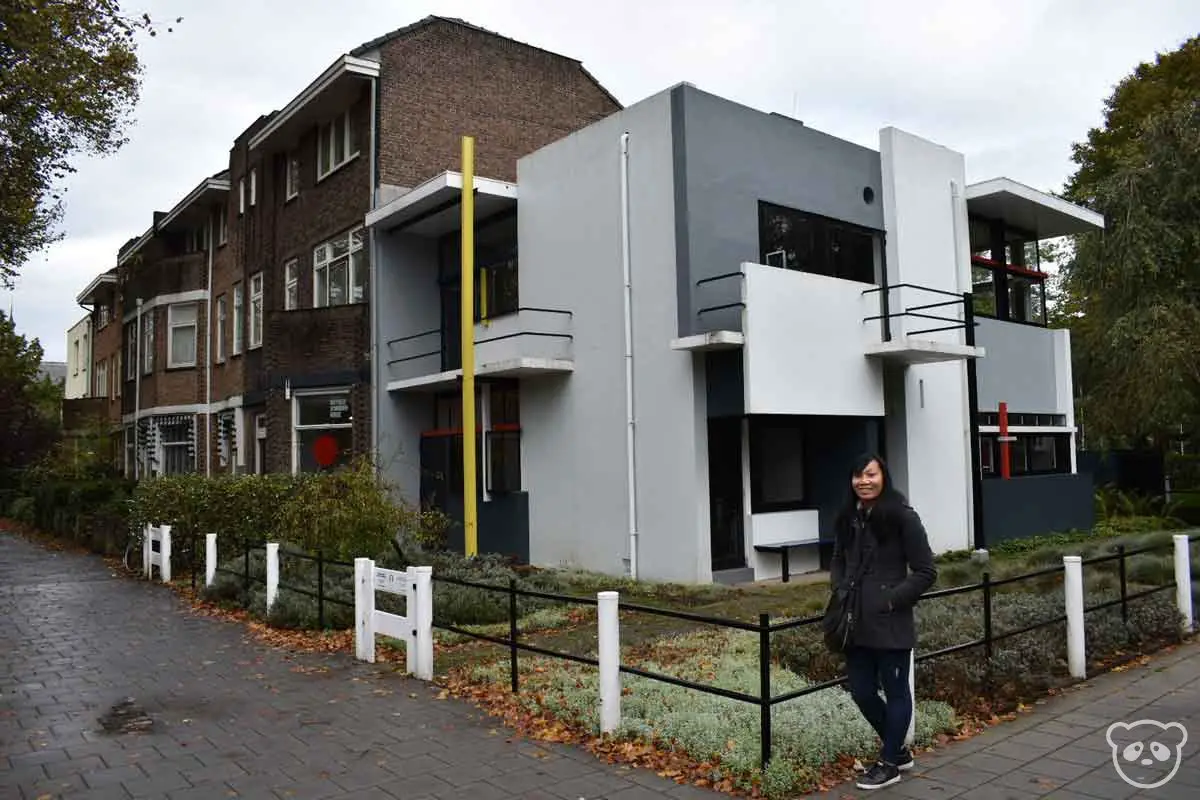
(470, 520)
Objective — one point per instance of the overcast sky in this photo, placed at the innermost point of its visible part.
(1009, 83)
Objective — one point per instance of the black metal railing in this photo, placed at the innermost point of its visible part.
(886, 314)
(726, 276)
(987, 587)
(437, 332)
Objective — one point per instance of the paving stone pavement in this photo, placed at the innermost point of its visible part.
(234, 718)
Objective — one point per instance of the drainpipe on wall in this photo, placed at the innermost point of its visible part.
(373, 276)
(137, 391)
(630, 419)
(208, 357)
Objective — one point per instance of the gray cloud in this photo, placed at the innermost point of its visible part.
(1010, 83)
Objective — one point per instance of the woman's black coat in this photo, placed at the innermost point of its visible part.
(888, 542)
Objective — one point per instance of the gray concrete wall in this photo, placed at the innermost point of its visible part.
(574, 426)
(1019, 367)
(407, 293)
(729, 157)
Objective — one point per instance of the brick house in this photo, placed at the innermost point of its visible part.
(273, 250)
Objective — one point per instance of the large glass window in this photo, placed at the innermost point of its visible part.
(176, 442)
(340, 270)
(798, 240)
(324, 428)
(181, 320)
(776, 464)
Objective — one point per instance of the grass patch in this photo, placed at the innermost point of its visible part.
(807, 733)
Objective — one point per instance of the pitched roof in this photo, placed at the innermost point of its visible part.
(425, 22)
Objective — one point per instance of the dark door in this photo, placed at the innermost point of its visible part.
(451, 325)
(725, 493)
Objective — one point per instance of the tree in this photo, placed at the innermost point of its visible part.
(69, 78)
(29, 403)
(1131, 295)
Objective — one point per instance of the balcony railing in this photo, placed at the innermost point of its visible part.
(888, 313)
(531, 334)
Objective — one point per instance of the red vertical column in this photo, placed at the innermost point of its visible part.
(1005, 464)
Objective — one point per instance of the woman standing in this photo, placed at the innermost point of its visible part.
(881, 545)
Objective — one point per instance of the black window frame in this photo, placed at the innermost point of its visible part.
(765, 429)
(824, 231)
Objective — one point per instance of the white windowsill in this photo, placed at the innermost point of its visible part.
(340, 166)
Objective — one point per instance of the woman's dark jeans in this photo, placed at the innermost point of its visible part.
(868, 670)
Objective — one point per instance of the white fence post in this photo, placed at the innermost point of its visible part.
(422, 620)
(210, 558)
(272, 573)
(1076, 640)
(364, 609)
(608, 622)
(164, 551)
(147, 538)
(1183, 579)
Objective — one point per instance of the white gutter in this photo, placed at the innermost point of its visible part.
(630, 419)
(373, 288)
(137, 390)
(208, 356)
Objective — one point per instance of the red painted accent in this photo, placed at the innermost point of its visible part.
(1013, 268)
(437, 433)
(1005, 467)
(325, 450)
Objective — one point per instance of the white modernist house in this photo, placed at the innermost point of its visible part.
(79, 360)
(693, 315)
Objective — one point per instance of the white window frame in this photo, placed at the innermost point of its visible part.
(297, 427)
(324, 259)
(241, 196)
(223, 225)
(239, 320)
(291, 284)
(131, 345)
(291, 177)
(256, 311)
(222, 315)
(116, 371)
(102, 378)
(148, 342)
(326, 165)
(253, 187)
(162, 446)
(173, 326)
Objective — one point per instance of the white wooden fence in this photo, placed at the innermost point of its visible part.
(415, 628)
(161, 559)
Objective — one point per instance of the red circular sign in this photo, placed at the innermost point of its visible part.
(325, 450)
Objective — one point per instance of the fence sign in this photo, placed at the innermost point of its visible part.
(414, 628)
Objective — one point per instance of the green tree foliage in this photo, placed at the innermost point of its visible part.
(1131, 295)
(69, 78)
(29, 403)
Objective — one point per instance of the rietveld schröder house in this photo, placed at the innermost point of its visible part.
(692, 315)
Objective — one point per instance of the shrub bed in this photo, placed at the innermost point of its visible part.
(1022, 667)
(807, 733)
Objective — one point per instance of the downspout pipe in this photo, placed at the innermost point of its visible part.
(137, 392)
(208, 338)
(373, 279)
(630, 417)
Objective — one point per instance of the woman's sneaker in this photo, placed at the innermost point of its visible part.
(880, 775)
(906, 760)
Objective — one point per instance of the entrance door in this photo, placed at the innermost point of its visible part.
(725, 493)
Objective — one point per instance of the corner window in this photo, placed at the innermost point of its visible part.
(291, 180)
(323, 429)
(181, 333)
(219, 337)
(148, 342)
(291, 284)
(239, 319)
(340, 270)
(256, 310)
(1028, 454)
(335, 144)
(793, 239)
(776, 464)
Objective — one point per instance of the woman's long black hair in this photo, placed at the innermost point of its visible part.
(890, 501)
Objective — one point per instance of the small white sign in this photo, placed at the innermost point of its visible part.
(390, 580)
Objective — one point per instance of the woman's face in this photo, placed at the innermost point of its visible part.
(869, 483)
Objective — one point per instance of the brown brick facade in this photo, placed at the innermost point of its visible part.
(439, 80)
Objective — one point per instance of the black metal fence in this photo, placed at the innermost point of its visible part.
(765, 629)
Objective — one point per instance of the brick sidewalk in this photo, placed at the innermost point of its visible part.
(234, 718)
